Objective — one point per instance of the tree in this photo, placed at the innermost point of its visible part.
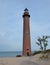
(39, 43)
(45, 43)
(42, 42)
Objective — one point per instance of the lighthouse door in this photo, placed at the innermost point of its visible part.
(27, 53)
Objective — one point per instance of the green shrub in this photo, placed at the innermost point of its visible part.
(18, 56)
(36, 52)
(44, 56)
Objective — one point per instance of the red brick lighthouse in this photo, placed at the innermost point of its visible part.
(26, 34)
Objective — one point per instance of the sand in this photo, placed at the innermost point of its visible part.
(32, 60)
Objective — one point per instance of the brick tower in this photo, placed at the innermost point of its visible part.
(26, 34)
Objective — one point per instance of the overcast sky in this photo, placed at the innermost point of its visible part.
(11, 23)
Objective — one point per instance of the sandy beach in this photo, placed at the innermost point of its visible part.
(32, 60)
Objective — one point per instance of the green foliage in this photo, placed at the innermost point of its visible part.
(36, 52)
(42, 42)
(18, 56)
(44, 57)
(47, 51)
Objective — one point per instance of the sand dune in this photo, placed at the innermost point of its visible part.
(32, 60)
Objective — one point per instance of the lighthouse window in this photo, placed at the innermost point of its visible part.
(27, 49)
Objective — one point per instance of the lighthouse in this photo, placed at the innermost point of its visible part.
(26, 33)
